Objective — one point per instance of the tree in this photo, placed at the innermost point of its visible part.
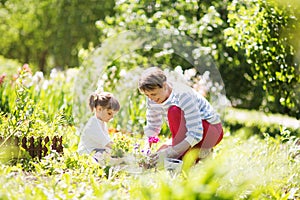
(257, 64)
(49, 32)
(265, 32)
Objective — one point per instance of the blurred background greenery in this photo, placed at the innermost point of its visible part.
(253, 43)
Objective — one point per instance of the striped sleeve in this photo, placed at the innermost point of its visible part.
(154, 120)
(188, 103)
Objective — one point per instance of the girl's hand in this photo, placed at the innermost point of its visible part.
(109, 145)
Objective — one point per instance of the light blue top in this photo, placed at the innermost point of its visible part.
(195, 107)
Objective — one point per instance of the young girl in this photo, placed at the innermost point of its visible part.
(191, 119)
(95, 136)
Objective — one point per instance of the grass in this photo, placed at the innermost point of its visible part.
(254, 122)
(241, 168)
(258, 158)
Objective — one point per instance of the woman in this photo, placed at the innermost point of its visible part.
(191, 119)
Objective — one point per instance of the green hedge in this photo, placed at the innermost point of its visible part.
(255, 122)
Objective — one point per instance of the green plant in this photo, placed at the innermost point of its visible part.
(256, 122)
(267, 43)
(252, 168)
(121, 144)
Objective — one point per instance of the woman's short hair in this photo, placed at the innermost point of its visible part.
(151, 79)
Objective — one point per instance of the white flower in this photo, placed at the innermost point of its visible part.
(123, 73)
(53, 73)
(189, 73)
(178, 69)
(113, 68)
(45, 84)
(38, 77)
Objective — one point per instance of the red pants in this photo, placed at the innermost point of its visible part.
(212, 133)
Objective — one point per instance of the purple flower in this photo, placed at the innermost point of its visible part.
(148, 152)
(136, 146)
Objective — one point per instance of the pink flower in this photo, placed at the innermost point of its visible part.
(26, 68)
(2, 77)
(15, 77)
(152, 140)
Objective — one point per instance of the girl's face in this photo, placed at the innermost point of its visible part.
(159, 95)
(105, 114)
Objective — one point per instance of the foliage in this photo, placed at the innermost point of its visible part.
(122, 144)
(178, 17)
(240, 169)
(34, 32)
(256, 61)
(49, 33)
(8, 66)
(34, 106)
(252, 122)
(131, 117)
(244, 166)
(267, 44)
(141, 47)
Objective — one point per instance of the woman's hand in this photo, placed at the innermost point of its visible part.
(170, 152)
(160, 155)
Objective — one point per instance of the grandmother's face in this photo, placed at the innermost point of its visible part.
(158, 95)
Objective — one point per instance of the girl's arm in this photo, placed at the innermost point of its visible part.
(108, 147)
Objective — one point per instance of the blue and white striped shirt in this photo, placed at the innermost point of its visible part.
(195, 107)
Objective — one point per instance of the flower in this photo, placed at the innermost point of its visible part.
(136, 147)
(2, 77)
(121, 144)
(26, 68)
(112, 130)
(144, 159)
(152, 139)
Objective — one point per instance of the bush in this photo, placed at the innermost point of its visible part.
(258, 123)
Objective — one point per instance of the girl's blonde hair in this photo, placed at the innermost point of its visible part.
(105, 100)
(151, 79)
